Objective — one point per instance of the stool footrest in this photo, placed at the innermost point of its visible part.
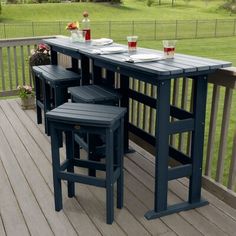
(89, 164)
(95, 181)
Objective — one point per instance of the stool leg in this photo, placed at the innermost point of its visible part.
(47, 104)
(38, 98)
(109, 177)
(56, 168)
(120, 163)
(91, 150)
(58, 100)
(69, 157)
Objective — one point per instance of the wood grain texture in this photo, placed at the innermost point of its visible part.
(85, 214)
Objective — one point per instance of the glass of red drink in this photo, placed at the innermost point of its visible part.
(169, 48)
(132, 43)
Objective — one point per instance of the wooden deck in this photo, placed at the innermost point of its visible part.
(26, 192)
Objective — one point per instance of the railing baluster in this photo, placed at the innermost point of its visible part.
(232, 170)
(212, 129)
(28, 55)
(175, 98)
(145, 110)
(22, 63)
(9, 67)
(223, 136)
(2, 71)
(152, 113)
(188, 151)
(184, 100)
(138, 104)
(16, 66)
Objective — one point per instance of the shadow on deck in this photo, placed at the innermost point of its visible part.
(26, 192)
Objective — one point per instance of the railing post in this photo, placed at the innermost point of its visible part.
(133, 27)
(109, 29)
(176, 28)
(59, 25)
(155, 30)
(33, 28)
(216, 22)
(196, 29)
(4, 29)
(234, 27)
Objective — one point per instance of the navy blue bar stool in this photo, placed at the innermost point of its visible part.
(93, 94)
(88, 118)
(51, 83)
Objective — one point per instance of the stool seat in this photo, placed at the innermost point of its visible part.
(51, 84)
(103, 120)
(93, 94)
(55, 74)
(84, 114)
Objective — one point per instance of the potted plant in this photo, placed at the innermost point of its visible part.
(39, 56)
(27, 96)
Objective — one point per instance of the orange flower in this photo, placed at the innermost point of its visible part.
(72, 25)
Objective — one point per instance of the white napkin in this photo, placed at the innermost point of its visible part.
(101, 42)
(109, 50)
(143, 58)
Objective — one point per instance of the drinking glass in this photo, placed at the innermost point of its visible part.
(169, 48)
(132, 43)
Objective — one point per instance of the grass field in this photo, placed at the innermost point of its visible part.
(129, 10)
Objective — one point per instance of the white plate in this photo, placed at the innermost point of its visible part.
(145, 57)
(112, 50)
(101, 42)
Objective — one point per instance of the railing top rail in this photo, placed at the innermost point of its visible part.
(225, 77)
(22, 41)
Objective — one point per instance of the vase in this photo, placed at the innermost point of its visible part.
(77, 36)
(28, 103)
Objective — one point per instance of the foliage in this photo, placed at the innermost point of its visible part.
(25, 91)
(230, 6)
(150, 2)
(40, 56)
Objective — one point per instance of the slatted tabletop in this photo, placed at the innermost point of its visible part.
(180, 65)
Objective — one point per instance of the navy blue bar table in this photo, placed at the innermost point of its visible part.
(160, 74)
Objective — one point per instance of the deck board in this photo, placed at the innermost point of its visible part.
(26, 199)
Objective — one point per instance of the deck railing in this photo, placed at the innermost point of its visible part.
(219, 173)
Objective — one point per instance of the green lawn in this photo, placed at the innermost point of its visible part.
(129, 10)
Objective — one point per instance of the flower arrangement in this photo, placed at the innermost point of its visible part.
(40, 55)
(25, 91)
(73, 26)
(41, 48)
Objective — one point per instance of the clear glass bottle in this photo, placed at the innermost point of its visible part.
(86, 26)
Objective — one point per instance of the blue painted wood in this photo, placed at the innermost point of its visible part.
(199, 109)
(162, 147)
(56, 79)
(94, 94)
(86, 118)
(158, 73)
(69, 157)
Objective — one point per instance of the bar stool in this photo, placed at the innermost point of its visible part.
(97, 119)
(93, 94)
(55, 80)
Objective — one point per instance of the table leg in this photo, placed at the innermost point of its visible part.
(124, 87)
(54, 60)
(85, 73)
(162, 149)
(199, 109)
